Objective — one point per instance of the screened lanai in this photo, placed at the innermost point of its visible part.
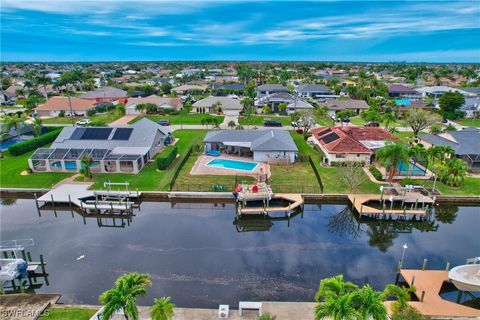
(69, 160)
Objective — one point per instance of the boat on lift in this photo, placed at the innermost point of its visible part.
(466, 277)
(11, 269)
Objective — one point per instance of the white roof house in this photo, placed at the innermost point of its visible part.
(229, 106)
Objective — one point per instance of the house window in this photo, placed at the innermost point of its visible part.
(358, 155)
(340, 156)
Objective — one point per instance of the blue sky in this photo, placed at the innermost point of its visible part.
(103, 30)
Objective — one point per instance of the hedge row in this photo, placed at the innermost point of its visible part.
(376, 173)
(165, 158)
(34, 143)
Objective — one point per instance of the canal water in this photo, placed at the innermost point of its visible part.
(200, 256)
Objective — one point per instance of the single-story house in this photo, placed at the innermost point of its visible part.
(273, 100)
(396, 90)
(7, 97)
(114, 150)
(55, 105)
(438, 91)
(466, 144)
(471, 107)
(472, 90)
(228, 106)
(188, 88)
(350, 104)
(350, 143)
(298, 105)
(314, 91)
(106, 94)
(160, 102)
(221, 89)
(267, 89)
(273, 146)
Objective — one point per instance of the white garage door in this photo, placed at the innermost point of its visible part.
(231, 112)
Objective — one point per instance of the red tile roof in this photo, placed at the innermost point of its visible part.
(349, 138)
(61, 103)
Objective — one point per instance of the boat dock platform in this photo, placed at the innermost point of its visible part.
(88, 200)
(295, 201)
(428, 284)
(412, 206)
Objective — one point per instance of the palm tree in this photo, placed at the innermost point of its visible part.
(11, 121)
(162, 309)
(401, 295)
(140, 107)
(341, 308)
(388, 118)
(124, 294)
(43, 81)
(37, 125)
(453, 172)
(86, 164)
(231, 124)
(334, 287)
(415, 152)
(371, 304)
(390, 157)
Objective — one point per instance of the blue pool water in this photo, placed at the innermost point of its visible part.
(5, 144)
(402, 102)
(413, 170)
(70, 165)
(233, 164)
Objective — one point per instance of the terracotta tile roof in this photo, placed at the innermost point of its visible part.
(347, 139)
(159, 101)
(61, 103)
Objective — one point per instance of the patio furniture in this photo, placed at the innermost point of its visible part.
(223, 311)
(250, 305)
(213, 153)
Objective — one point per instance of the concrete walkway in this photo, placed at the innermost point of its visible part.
(123, 121)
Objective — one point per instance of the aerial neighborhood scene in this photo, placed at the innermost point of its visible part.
(239, 160)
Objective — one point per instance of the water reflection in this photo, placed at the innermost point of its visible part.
(260, 223)
(446, 213)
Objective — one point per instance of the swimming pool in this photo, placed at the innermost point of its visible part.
(5, 144)
(71, 165)
(402, 102)
(233, 164)
(413, 170)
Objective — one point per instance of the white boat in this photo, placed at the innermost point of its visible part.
(466, 277)
(12, 268)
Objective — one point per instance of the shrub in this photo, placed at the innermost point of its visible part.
(299, 130)
(410, 181)
(100, 110)
(166, 157)
(61, 114)
(91, 112)
(341, 164)
(32, 144)
(306, 135)
(450, 127)
(375, 172)
(98, 123)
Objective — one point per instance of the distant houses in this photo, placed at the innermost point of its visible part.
(169, 104)
(356, 106)
(314, 91)
(402, 91)
(106, 94)
(268, 89)
(190, 88)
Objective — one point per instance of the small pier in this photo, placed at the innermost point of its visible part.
(79, 195)
(428, 284)
(260, 199)
(402, 203)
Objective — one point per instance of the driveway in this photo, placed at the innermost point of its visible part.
(123, 121)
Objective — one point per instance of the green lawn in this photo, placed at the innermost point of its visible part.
(149, 179)
(10, 176)
(360, 122)
(103, 118)
(182, 118)
(68, 313)
(257, 120)
(405, 136)
(471, 186)
(469, 122)
(324, 120)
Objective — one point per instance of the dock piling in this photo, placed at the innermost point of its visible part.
(42, 264)
(424, 265)
(423, 296)
(447, 267)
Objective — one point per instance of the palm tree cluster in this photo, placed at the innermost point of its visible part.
(123, 297)
(342, 300)
(451, 170)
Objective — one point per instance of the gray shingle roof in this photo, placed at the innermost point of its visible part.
(313, 87)
(227, 103)
(272, 87)
(261, 140)
(143, 135)
(104, 92)
(467, 141)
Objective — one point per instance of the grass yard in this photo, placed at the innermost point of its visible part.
(331, 176)
(103, 118)
(405, 136)
(257, 120)
(324, 120)
(471, 186)
(469, 122)
(68, 313)
(149, 179)
(360, 122)
(10, 174)
(182, 118)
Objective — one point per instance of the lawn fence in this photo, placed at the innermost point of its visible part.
(193, 148)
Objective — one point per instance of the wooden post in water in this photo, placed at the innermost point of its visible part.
(447, 267)
(413, 281)
(423, 296)
(29, 257)
(424, 265)
(42, 264)
(36, 204)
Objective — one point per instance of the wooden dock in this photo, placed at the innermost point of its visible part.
(418, 203)
(430, 282)
(295, 199)
(25, 306)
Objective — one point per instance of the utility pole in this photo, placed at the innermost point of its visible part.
(71, 111)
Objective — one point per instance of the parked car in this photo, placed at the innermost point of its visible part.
(272, 123)
(83, 122)
(372, 124)
(164, 122)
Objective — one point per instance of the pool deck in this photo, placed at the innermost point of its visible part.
(430, 282)
(200, 167)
